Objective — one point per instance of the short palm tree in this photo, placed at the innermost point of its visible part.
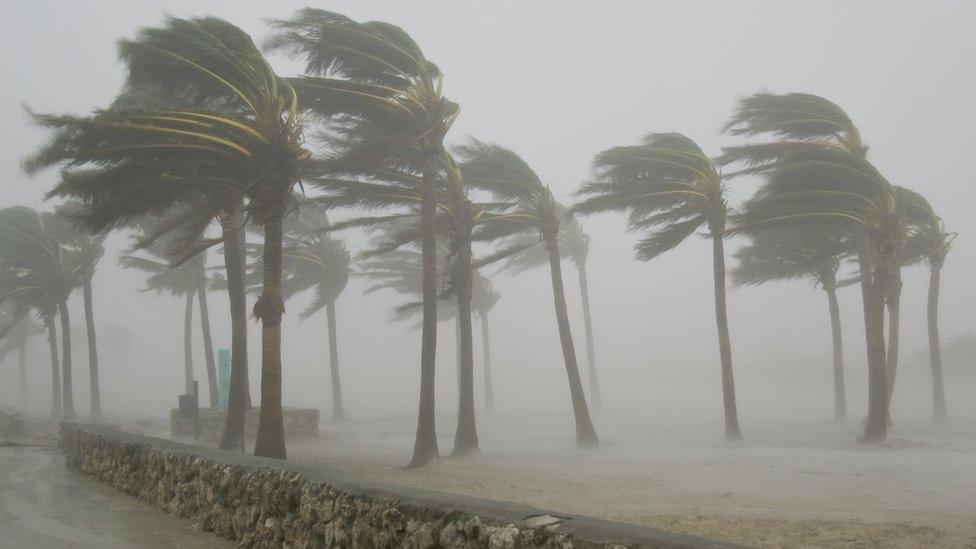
(531, 209)
(184, 280)
(238, 131)
(312, 260)
(39, 272)
(818, 177)
(670, 189)
(483, 298)
(574, 244)
(17, 328)
(372, 83)
(817, 256)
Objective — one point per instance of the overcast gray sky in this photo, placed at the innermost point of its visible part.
(558, 82)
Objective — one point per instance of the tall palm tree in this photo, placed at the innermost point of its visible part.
(936, 243)
(670, 189)
(817, 175)
(927, 241)
(817, 256)
(531, 209)
(179, 214)
(238, 128)
(39, 271)
(574, 244)
(373, 84)
(89, 245)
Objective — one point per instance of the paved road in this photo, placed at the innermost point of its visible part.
(43, 505)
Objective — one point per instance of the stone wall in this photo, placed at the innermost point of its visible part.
(298, 422)
(269, 503)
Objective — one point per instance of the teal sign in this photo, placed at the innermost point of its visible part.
(223, 376)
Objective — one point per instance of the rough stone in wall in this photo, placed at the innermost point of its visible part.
(298, 422)
(260, 504)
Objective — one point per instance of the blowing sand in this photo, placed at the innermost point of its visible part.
(786, 485)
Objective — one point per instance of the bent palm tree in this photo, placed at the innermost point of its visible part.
(39, 271)
(927, 241)
(817, 176)
(483, 298)
(779, 256)
(89, 245)
(376, 88)
(237, 129)
(531, 209)
(574, 244)
(671, 189)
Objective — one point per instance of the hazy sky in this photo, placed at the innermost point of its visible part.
(558, 82)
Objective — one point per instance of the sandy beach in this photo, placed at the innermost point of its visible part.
(781, 487)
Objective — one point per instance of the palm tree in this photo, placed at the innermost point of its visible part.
(39, 272)
(16, 331)
(89, 245)
(182, 280)
(928, 241)
(574, 244)
(401, 190)
(531, 208)
(671, 189)
(817, 256)
(376, 88)
(237, 132)
(818, 176)
(483, 298)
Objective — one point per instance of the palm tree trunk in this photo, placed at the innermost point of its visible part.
(893, 301)
(239, 393)
(22, 374)
(457, 355)
(96, 399)
(425, 444)
(67, 392)
(585, 432)
(466, 436)
(732, 431)
(188, 345)
(935, 346)
(840, 398)
(876, 426)
(207, 340)
(269, 308)
(52, 341)
(588, 325)
(338, 414)
(486, 353)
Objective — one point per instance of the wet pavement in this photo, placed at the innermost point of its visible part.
(43, 505)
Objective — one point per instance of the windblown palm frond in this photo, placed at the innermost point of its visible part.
(799, 122)
(38, 269)
(667, 185)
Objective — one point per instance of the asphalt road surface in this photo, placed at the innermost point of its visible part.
(43, 505)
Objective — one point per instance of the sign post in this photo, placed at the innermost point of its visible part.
(223, 377)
